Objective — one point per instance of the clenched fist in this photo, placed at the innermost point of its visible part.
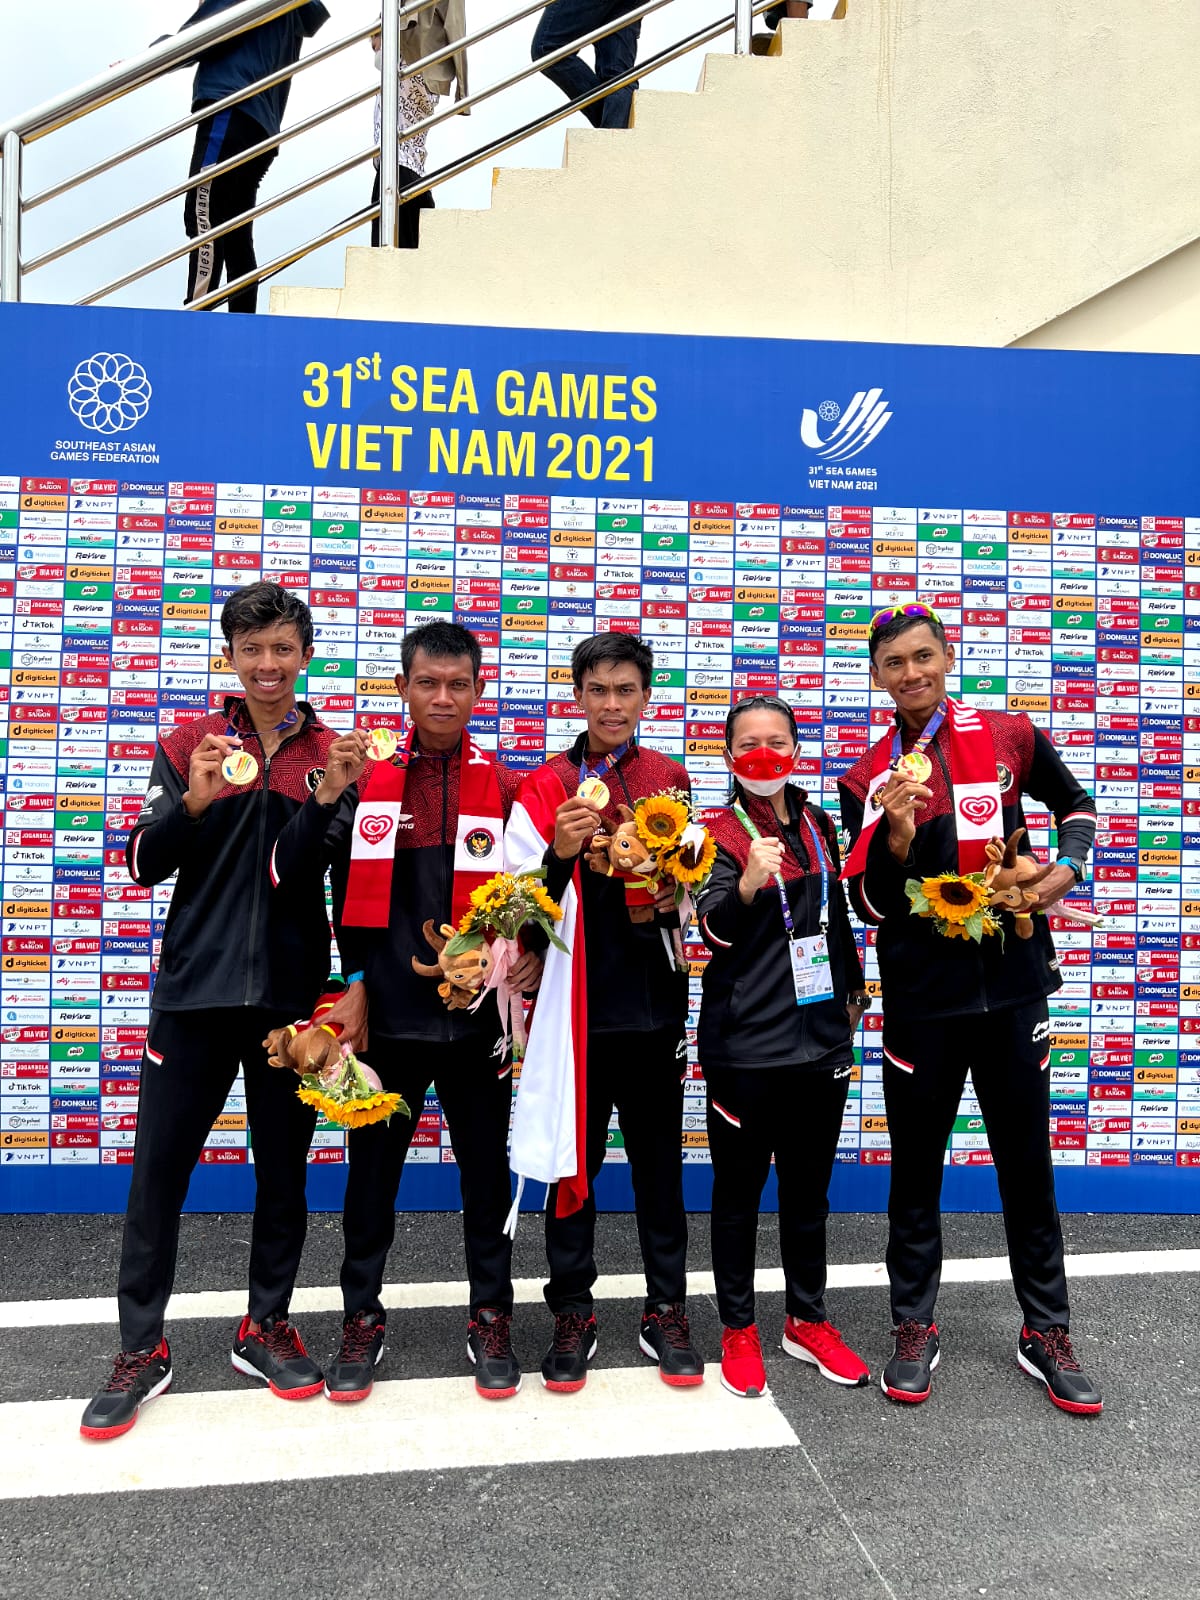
(344, 762)
(766, 858)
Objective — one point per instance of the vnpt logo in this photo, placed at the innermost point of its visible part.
(109, 392)
(863, 420)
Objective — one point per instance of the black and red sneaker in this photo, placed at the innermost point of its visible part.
(565, 1364)
(351, 1373)
(666, 1338)
(137, 1376)
(277, 1356)
(909, 1374)
(489, 1348)
(1050, 1357)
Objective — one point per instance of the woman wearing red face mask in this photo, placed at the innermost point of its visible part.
(783, 993)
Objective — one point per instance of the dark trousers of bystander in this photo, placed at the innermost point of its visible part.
(641, 1074)
(408, 213)
(925, 1065)
(210, 204)
(475, 1092)
(567, 20)
(190, 1063)
(795, 1114)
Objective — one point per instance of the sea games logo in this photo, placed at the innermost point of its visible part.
(109, 393)
(848, 433)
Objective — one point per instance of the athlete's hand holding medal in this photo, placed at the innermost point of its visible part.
(217, 761)
(901, 797)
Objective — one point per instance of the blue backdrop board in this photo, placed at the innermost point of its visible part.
(743, 504)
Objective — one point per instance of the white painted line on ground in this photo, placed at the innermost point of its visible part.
(230, 1304)
(184, 1441)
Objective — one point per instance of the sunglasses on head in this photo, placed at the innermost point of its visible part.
(914, 608)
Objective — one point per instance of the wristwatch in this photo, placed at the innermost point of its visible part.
(864, 999)
(1077, 865)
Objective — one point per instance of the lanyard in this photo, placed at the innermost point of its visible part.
(818, 851)
(289, 721)
(926, 739)
(606, 763)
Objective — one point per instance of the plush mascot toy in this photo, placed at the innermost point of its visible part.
(1013, 879)
(463, 975)
(622, 854)
(308, 1046)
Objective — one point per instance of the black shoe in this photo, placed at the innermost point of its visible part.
(276, 1354)
(1049, 1357)
(351, 1373)
(137, 1376)
(565, 1364)
(666, 1338)
(909, 1374)
(489, 1346)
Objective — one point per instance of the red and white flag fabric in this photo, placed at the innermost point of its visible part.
(549, 1132)
(975, 791)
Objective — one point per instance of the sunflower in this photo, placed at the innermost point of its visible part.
(468, 920)
(544, 903)
(703, 866)
(493, 893)
(953, 898)
(357, 1113)
(660, 820)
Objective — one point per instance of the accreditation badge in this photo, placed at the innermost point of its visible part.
(812, 975)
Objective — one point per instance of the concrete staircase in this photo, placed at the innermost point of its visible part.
(943, 171)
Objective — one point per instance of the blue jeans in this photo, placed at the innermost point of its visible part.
(566, 20)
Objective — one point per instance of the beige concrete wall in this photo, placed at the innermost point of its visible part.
(951, 171)
(1157, 309)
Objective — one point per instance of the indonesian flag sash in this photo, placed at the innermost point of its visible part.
(974, 790)
(478, 840)
(549, 1130)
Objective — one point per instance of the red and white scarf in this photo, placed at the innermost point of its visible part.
(974, 790)
(478, 839)
(549, 1130)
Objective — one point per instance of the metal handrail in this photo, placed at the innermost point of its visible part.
(183, 49)
(454, 169)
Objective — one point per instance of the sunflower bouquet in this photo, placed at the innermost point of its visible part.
(957, 903)
(499, 910)
(348, 1093)
(683, 850)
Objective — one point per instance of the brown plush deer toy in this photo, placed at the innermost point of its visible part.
(1013, 879)
(463, 975)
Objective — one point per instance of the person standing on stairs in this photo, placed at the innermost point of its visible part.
(222, 70)
(417, 101)
(564, 21)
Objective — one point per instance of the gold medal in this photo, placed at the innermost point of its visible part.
(239, 767)
(915, 765)
(381, 744)
(593, 790)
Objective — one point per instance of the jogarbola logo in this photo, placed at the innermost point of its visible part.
(109, 392)
(863, 420)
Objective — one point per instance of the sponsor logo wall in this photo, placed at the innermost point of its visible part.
(744, 506)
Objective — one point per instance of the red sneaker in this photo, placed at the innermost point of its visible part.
(742, 1370)
(823, 1345)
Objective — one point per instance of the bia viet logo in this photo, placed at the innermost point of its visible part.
(375, 828)
(109, 392)
(863, 420)
(978, 808)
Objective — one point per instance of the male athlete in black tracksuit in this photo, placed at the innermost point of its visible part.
(953, 1005)
(414, 1040)
(238, 959)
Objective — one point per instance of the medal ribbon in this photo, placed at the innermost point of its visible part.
(606, 763)
(233, 732)
(925, 740)
(752, 829)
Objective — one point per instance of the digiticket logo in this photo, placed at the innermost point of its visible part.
(109, 392)
(863, 420)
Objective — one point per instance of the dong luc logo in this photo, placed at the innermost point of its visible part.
(863, 420)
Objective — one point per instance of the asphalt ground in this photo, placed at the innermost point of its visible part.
(984, 1490)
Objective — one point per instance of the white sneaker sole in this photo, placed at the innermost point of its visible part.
(744, 1394)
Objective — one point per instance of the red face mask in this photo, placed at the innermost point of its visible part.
(764, 771)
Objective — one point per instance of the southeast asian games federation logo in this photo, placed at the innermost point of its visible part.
(863, 420)
(109, 392)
